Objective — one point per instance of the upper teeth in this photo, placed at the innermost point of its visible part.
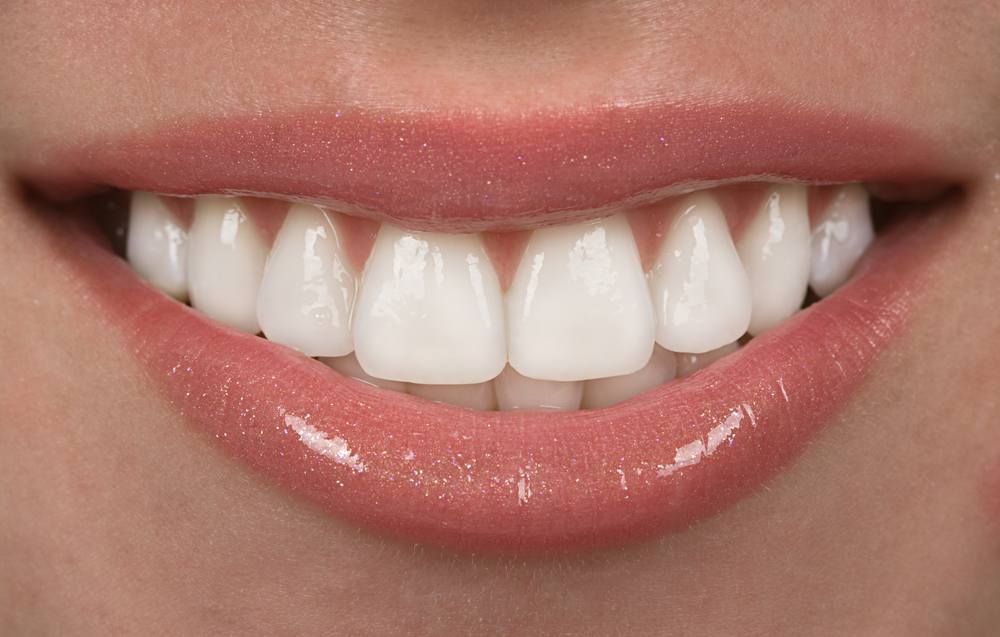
(429, 308)
(579, 306)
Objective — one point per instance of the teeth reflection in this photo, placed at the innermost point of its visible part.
(306, 295)
(157, 245)
(840, 238)
(701, 293)
(225, 263)
(578, 306)
(775, 252)
(430, 310)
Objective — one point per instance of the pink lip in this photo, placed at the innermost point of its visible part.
(515, 482)
(512, 482)
(493, 172)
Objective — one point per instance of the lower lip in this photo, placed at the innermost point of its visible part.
(510, 481)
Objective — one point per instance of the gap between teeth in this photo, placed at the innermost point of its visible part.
(582, 324)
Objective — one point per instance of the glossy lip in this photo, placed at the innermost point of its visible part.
(468, 172)
(491, 481)
(507, 481)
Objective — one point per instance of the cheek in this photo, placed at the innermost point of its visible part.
(990, 498)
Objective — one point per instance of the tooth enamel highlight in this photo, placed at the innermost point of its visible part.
(688, 364)
(479, 396)
(225, 263)
(775, 252)
(578, 306)
(157, 245)
(604, 392)
(308, 289)
(349, 366)
(840, 238)
(699, 287)
(515, 392)
(430, 310)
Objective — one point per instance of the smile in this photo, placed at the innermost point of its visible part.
(489, 357)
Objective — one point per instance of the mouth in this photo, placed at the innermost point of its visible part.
(551, 334)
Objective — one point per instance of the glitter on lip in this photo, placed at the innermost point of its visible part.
(493, 172)
(336, 448)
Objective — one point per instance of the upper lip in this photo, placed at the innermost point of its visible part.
(470, 172)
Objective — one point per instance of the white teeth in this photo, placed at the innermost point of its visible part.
(515, 392)
(306, 295)
(430, 310)
(225, 262)
(604, 392)
(840, 238)
(688, 364)
(479, 396)
(348, 366)
(578, 306)
(581, 324)
(699, 287)
(157, 245)
(775, 252)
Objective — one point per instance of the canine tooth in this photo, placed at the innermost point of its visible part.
(775, 252)
(840, 238)
(515, 391)
(349, 366)
(307, 292)
(225, 262)
(688, 364)
(479, 396)
(604, 392)
(578, 306)
(156, 247)
(699, 287)
(430, 310)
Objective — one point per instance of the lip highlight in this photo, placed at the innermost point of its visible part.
(512, 481)
(479, 171)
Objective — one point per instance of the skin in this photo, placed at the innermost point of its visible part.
(120, 519)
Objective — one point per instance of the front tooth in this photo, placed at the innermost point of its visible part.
(775, 252)
(840, 238)
(306, 295)
(157, 245)
(578, 306)
(430, 310)
(604, 392)
(699, 287)
(479, 396)
(688, 364)
(349, 366)
(516, 392)
(225, 263)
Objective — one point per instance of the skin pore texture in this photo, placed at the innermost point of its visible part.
(119, 518)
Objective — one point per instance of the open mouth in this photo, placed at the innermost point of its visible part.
(519, 345)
